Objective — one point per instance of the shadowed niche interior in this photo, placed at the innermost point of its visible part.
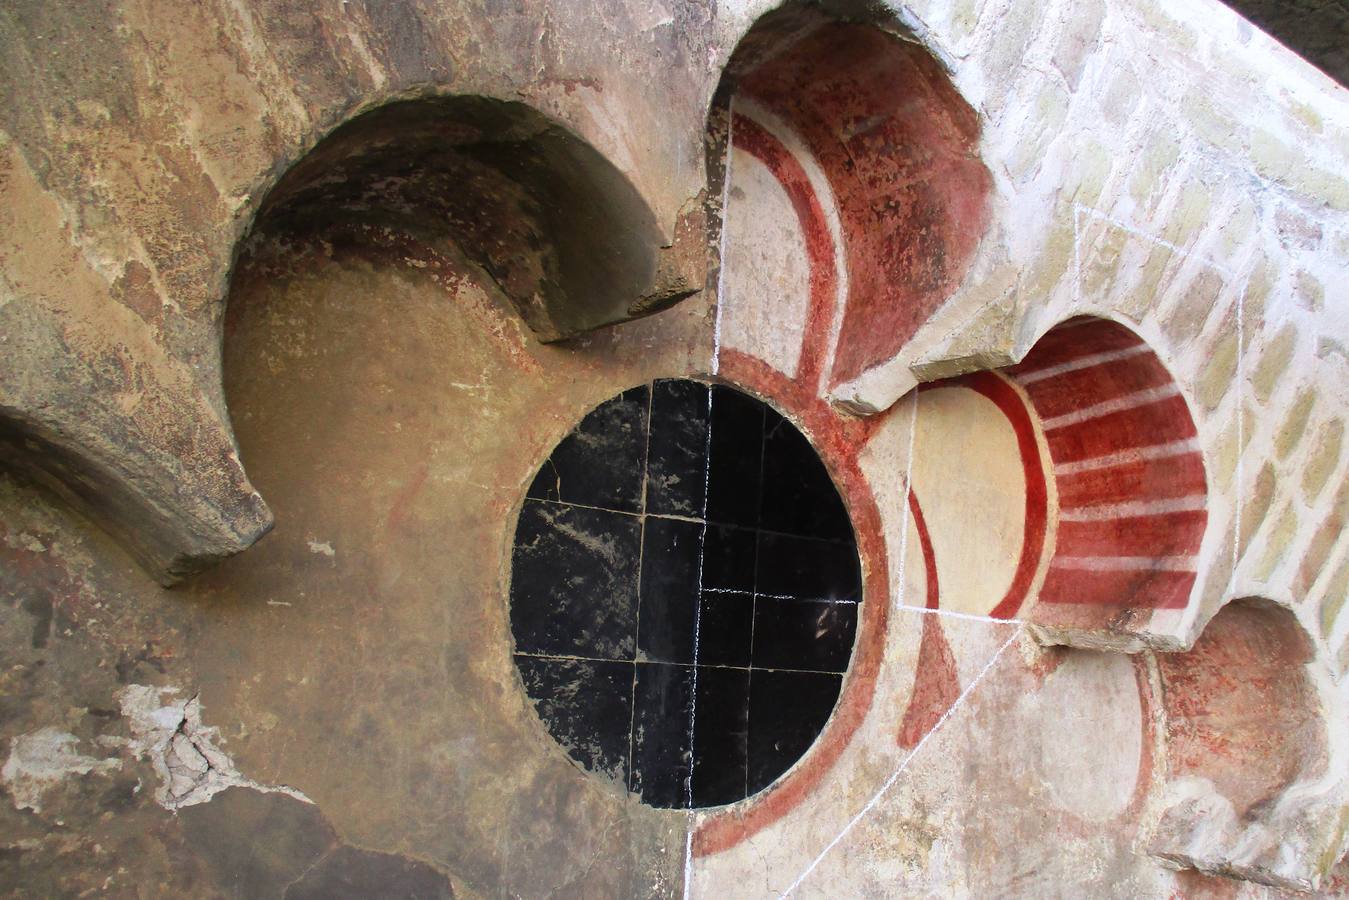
(559, 229)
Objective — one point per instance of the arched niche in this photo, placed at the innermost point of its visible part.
(1254, 784)
(870, 165)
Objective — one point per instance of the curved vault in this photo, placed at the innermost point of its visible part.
(1254, 782)
(136, 443)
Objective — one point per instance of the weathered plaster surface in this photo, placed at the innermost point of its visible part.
(335, 711)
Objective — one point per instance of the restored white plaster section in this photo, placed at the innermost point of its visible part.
(824, 195)
(1093, 779)
(40, 760)
(767, 273)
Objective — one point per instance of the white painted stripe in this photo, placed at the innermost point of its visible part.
(1084, 362)
(1124, 563)
(1125, 457)
(903, 764)
(952, 614)
(1133, 508)
(1113, 405)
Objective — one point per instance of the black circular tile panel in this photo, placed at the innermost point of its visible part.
(685, 591)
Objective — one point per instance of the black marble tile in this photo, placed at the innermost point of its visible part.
(799, 497)
(602, 462)
(787, 710)
(586, 706)
(733, 476)
(720, 735)
(803, 634)
(669, 591)
(660, 734)
(807, 568)
(724, 629)
(574, 581)
(728, 558)
(676, 479)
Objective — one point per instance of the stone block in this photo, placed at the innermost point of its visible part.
(1219, 372)
(1276, 543)
(1192, 312)
(1322, 460)
(1323, 541)
(1257, 504)
(1155, 164)
(1295, 424)
(1311, 294)
(1273, 362)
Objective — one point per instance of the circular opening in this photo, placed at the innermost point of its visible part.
(685, 591)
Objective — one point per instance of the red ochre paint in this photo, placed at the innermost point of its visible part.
(839, 440)
(1125, 539)
(899, 147)
(749, 136)
(936, 685)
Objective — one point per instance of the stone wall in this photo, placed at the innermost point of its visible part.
(347, 272)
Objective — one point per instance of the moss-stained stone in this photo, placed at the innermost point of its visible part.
(1155, 166)
(1091, 166)
(1194, 308)
(1327, 346)
(1257, 504)
(1273, 362)
(1178, 36)
(1295, 424)
(1337, 591)
(1322, 460)
(1276, 542)
(1216, 378)
(1224, 459)
(1323, 541)
(1054, 260)
(964, 18)
(1101, 259)
(1211, 123)
(1190, 217)
(1004, 56)
(1044, 123)
(1143, 294)
(1121, 96)
(1239, 225)
(1255, 295)
(1287, 164)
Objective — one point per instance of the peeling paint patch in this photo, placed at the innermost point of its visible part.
(324, 548)
(183, 751)
(40, 759)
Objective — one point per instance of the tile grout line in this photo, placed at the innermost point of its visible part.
(903, 764)
(754, 582)
(563, 657)
(692, 520)
(641, 555)
(736, 592)
(697, 623)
